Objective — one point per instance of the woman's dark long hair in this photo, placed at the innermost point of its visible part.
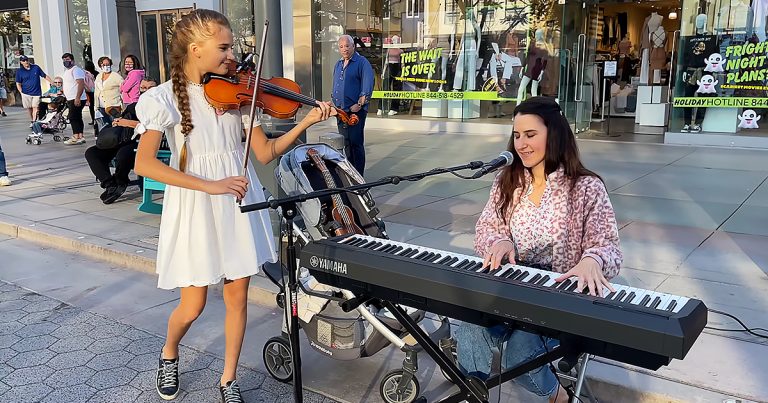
(136, 63)
(561, 151)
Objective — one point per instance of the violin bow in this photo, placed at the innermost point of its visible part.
(253, 103)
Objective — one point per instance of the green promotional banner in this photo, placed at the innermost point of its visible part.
(455, 95)
(717, 102)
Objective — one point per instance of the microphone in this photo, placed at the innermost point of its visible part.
(246, 63)
(504, 159)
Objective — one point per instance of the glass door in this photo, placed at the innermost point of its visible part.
(577, 61)
(157, 32)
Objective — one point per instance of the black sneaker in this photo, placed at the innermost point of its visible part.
(113, 193)
(231, 393)
(4, 114)
(168, 378)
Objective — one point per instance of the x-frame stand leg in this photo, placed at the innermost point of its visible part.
(471, 389)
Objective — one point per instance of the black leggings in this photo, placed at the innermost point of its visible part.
(76, 116)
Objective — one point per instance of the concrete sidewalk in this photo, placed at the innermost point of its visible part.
(694, 222)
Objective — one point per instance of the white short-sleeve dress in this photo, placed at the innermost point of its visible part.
(204, 238)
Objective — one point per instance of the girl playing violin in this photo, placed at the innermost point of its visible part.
(203, 236)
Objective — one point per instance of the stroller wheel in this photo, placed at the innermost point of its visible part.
(388, 388)
(280, 299)
(56, 138)
(37, 142)
(277, 359)
(28, 141)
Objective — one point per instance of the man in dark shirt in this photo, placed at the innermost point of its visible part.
(352, 90)
(28, 83)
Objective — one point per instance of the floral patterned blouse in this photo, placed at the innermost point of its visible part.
(532, 230)
(569, 225)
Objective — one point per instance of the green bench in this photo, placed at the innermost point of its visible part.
(151, 186)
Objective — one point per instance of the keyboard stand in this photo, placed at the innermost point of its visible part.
(471, 389)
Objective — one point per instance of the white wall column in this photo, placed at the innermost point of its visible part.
(105, 39)
(50, 33)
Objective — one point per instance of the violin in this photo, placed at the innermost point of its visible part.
(278, 97)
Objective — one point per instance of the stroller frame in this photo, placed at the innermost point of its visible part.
(59, 126)
(397, 386)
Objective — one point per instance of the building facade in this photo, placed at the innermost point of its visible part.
(464, 64)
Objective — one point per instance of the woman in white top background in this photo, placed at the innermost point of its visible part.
(108, 88)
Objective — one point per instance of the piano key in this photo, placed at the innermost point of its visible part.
(544, 280)
(672, 306)
(656, 302)
(563, 284)
(534, 279)
(387, 248)
(572, 287)
(522, 276)
(461, 264)
(420, 255)
(644, 300)
(514, 273)
(503, 270)
(443, 260)
(620, 295)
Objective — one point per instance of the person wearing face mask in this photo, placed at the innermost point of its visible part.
(124, 154)
(107, 90)
(74, 91)
(129, 89)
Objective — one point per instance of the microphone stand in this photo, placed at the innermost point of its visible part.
(288, 207)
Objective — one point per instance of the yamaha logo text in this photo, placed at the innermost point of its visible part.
(328, 265)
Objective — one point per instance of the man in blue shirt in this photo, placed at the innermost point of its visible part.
(28, 83)
(352, 90)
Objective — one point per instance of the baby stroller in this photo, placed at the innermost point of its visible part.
(331, 331)
(54, 122)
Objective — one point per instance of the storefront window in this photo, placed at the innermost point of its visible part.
(241, 15)
(15, 40)
(80, 32)
(722, 71)
(443, 58)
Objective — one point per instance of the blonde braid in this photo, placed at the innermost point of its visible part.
(196, 26)
(182, 100)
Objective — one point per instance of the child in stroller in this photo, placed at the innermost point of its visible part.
(54, 122)
(332, 331)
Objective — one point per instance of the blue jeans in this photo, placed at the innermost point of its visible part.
(474, 345)
(3, 171)
(354, 141)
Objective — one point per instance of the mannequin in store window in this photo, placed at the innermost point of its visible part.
(468, 53)
(392, 70)
(696, 50)
(654, 56)
(535, 63)
(444, 42)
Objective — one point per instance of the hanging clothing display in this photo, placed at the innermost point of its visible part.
(535, 62)
(760, 8)
(658, 55)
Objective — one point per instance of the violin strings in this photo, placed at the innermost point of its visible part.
(277, 90)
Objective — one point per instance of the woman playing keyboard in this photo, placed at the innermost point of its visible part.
(545, 210)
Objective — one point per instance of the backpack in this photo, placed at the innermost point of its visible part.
(89, 81)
